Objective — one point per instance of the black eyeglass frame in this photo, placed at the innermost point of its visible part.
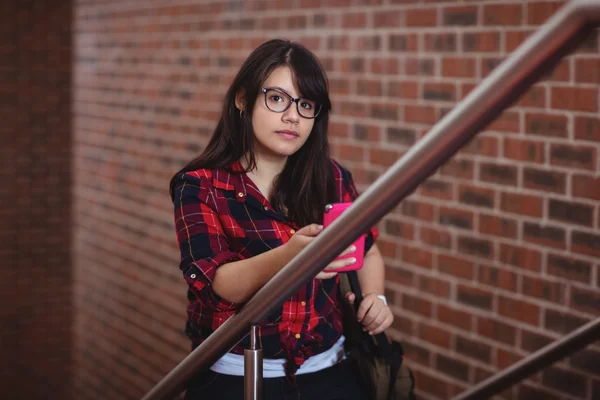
(293, 100)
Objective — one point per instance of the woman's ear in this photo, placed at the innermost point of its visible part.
(240, 101)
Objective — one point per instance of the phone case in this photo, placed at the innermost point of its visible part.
(333, 211)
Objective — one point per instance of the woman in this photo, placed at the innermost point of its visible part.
(250, 203)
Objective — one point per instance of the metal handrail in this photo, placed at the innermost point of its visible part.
(536, 56)
(528, 366)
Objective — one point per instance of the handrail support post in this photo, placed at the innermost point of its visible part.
(253, 367)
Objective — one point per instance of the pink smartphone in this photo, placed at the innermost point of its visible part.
(332, 211)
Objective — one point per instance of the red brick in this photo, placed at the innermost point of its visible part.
(476, 196)
(436, 189)
(436, 237)
(535, 97)
(587, 128)
(543, 289)
(506, 358)
(384, 157)
(339, 86)
(502, 14)
(419, 66)
(544, 180)
(539, 12)
(481, 42)
(351, 152)
(388, 248)
(459, 168)
(482, 145)
(434, 335)
(353, 109)
(421, 17)
(439, 91)
(587, 70)
(519, 310)
(583, 157)
(419, 210)
(388, 19)
(403, 42)
(354, 20)
(546, 125)
(455, 266)
(456, 217)
(474, 297)
(383, 111)
(521, 257)
(385, 66)
(399, 275)
(524, 150)
(434, 286)
(417, 256)
(338, 129)
(431, 384)
(458, 67)
(569, 268)
(497, 277)
(419, 114)
(440, 42)
(416, 305)
(508, 121)
(585, 186)
(497, 330)
(403, 89)
(561, 73)
(575, 98)
(498, 226)
(452, 316)
(544, 235)
(501, 174)
(585, 243)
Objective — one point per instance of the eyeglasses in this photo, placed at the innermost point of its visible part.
(279, 101)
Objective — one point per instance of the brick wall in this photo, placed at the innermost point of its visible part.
(491, 258)
(35, 198)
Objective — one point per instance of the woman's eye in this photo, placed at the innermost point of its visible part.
(306, 105)
(276, 98)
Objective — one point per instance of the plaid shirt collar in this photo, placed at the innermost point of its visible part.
(237, 185)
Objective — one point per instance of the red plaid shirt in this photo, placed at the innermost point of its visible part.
(221, 217)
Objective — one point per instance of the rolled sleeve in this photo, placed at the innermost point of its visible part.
(202, 241)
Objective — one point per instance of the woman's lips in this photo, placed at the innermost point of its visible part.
(290, 135)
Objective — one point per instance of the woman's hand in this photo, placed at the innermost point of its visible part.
(372, 313)
(304, 236)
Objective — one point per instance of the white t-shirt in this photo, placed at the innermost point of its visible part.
(233, 364)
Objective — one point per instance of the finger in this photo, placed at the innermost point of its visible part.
(325, 275)
(348, 250)
(311, 230)
(365, 305)
(350, 297)
(386, 324)
(371, 317)
(340, 263)
(377, 321)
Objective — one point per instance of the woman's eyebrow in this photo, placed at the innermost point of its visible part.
(283, 90)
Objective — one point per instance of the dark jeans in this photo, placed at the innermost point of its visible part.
(339, 382)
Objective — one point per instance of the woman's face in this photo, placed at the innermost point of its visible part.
(279, 135)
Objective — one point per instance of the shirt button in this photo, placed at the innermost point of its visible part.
(292, 232)
(303, 304)
(266, 208)
(240, 194)
(297, 336)
(193, 276)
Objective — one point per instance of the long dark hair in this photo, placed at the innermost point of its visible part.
(306, 183)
